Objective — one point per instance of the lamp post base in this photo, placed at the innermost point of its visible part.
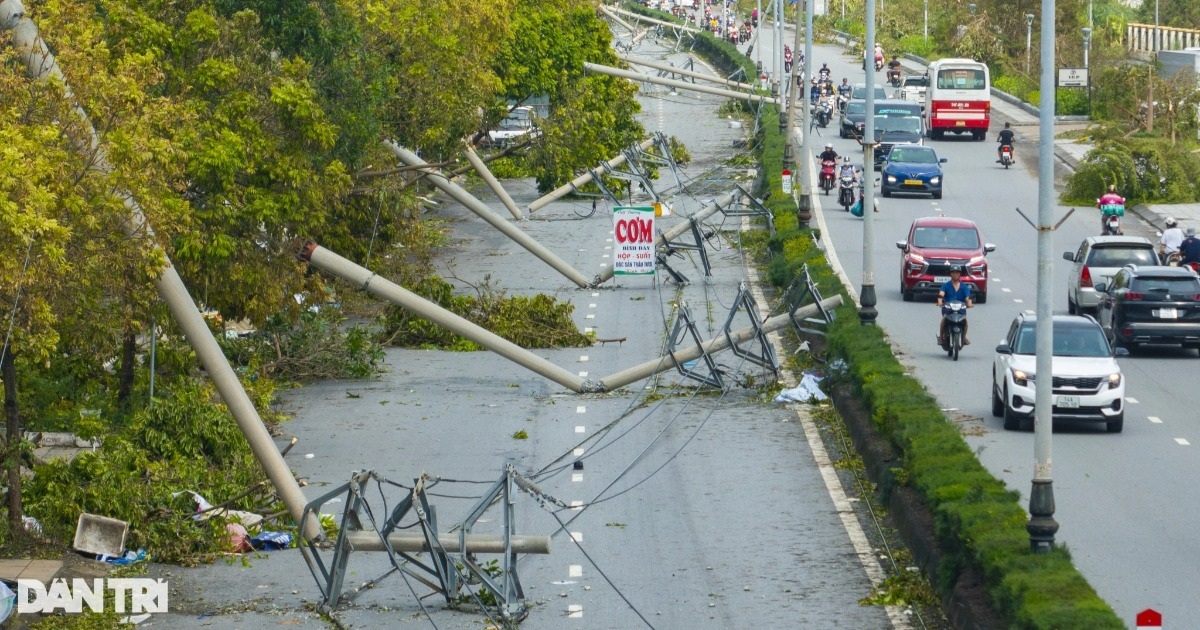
(866, 311)
(1041, 525)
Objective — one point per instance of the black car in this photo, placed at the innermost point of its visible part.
(890, 130)
(1145, 304)
(854, 116)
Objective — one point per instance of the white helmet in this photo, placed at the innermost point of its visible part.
(828, 145)
(1170, 221)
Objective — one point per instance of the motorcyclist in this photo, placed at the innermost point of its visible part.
(954, 291)
(814, 92)
(1005, 139)
(824, 72)
(893, 67)
(1171, 239)
(828, 153)
(1190, 248)
(878, 55)
(845, 89)
(848, 169)
(1108, 199)
(787, 58)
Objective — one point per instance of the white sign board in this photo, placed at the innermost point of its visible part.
(633, 232)
(787, 182)
(1072, 77)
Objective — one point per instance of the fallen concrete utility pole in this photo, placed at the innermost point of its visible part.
(573, 185)
(482, 211)
(721, 342)
(614, 17)
(493, 183)
(366, 280)
(40, 65)
(680, 85)
(687, 73)
(677, 230)
(616, 13)
(448, 542)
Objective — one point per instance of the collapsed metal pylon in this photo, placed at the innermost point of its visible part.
(803, 291)
(672, 247)
(686, 327)
(451, 564)
(746, 205)
(765, 355)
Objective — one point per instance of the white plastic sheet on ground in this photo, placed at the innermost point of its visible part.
(808, 389)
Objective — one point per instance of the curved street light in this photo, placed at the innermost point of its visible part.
(1028, 40)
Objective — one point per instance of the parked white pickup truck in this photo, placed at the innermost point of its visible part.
(914, 88)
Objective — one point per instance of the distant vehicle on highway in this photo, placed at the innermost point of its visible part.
(914, 88)
(958, 98)
(1085, 380)
(520, 124)
(934, 245)
(1151, 305)
(1096, 260)
(912, 168)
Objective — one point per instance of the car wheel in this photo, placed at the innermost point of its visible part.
(982, 298)
(937, 194)
(885, 191)
(1071, 308)
(1116, 425)
(997, 403)
(1011, 421)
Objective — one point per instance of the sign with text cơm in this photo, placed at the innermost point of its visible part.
(633, 233)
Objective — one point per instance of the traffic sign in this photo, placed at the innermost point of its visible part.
(1072, 77)
(1149, 619)
(787, 182)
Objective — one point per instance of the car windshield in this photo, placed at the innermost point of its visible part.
(907, 124)
(915, 155)
(1121, 256)
(945, 237)
(856, 108)
(1069, 341)
(1173, 286)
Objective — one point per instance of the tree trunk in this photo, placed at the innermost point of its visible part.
(1150, 104)
(128, 358)
(12, 427)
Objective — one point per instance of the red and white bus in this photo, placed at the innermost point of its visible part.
(959, 98)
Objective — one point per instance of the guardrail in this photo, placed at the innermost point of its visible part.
(1148, 38)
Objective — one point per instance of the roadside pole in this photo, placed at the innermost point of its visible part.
(866, 298)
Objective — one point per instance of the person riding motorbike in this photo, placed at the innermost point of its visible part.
(828, 153)
(1169, 242)
(894, 68)
(848, 169)
(824, 72)
(814, 92)
(1006, 139)
(954, 291)
(1190, 248)
(878, 56)
(845, 89)
(787, 58)
(1110, 198)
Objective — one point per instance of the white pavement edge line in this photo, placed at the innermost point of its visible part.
(815, 205)
(858, 538)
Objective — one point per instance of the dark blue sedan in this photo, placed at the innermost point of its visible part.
(912, 168)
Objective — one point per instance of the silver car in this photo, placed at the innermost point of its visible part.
(1096, 260)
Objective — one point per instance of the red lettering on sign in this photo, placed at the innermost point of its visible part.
(634, 231)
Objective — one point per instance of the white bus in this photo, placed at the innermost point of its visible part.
(958, 98)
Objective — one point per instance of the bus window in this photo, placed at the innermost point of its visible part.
(961, 79)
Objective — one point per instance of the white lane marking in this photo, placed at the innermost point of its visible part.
(596, 294)
(591, 306)
(603, 265)
(1155, 419)
(577, 452)
(1006, 290)
(1182, 442)
(1018, 300)
(590, 316)
(577, 505)
(575, 570)
(577, 536)
(583, 358)
(576, 477)
(575, 611)
(579, 429)
(580, 409)
(583, 374)
(995, 279)
(604, 256)
(1131, 400)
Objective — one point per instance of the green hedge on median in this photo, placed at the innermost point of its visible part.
(979, 522)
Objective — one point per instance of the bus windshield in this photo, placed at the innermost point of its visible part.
(961, 79)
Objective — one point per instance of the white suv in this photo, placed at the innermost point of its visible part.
(1087, 382)
(1096, 260)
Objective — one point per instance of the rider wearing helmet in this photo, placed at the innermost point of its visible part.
(1190, 248)
(828, 153)
(1111, 199)
(814, 93)
(848, 168)
(1005, 139)
(893, 67)
(1171, 239)
(955, 290)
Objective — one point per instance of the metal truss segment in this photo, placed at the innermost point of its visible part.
(765, 356)
(685, 327)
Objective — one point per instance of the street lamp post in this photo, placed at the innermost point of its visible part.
(867, 313)
(1028, 40)
(1087, 44)
(1155, 26)
(926, 12)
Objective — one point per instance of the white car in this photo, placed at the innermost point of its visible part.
(1087, 382)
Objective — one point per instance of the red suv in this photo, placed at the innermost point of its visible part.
(934, 245)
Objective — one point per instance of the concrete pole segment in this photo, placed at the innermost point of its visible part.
(720, 342)
(566, 189)
(476, 543)
(482, 211)
(614, 13)
(493, 183)
(661, 239)
(366, 280)
(40, 64)
(688, 73)
(679, 85)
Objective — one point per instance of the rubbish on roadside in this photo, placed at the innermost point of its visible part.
(248, 519)
(130, 557)
(808, 389)
(99, 535)
(31, 525)
(271, 541)
(239, 538)
(202, 504)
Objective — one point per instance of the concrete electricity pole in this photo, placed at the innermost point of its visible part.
(866, 299)
(804, 215)
(1042, 526)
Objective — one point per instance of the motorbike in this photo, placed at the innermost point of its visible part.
(878, 65)
(1112, 213)
(956, 319)
(824, 73)
(787, 61)
(1006, 155)
(894, 78)
(824, 114)
(827, 175)
(846, 191)
(842, 99)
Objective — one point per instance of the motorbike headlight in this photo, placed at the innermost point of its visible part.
(1021, 377)
(891, 179)
(1114, 380)
(935, 180)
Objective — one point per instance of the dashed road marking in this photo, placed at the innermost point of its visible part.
(583, 358)
(1155, 419)
(577, 452)
(576, 477)
(1006, 290)
(1018, 300)
(577, 506)
(575, 611)
(575, 570)
(1182, 442)
(580, 409)
(1131, 400)
(590, 316)
(579, 429)
(577, 536)
(583, 374)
